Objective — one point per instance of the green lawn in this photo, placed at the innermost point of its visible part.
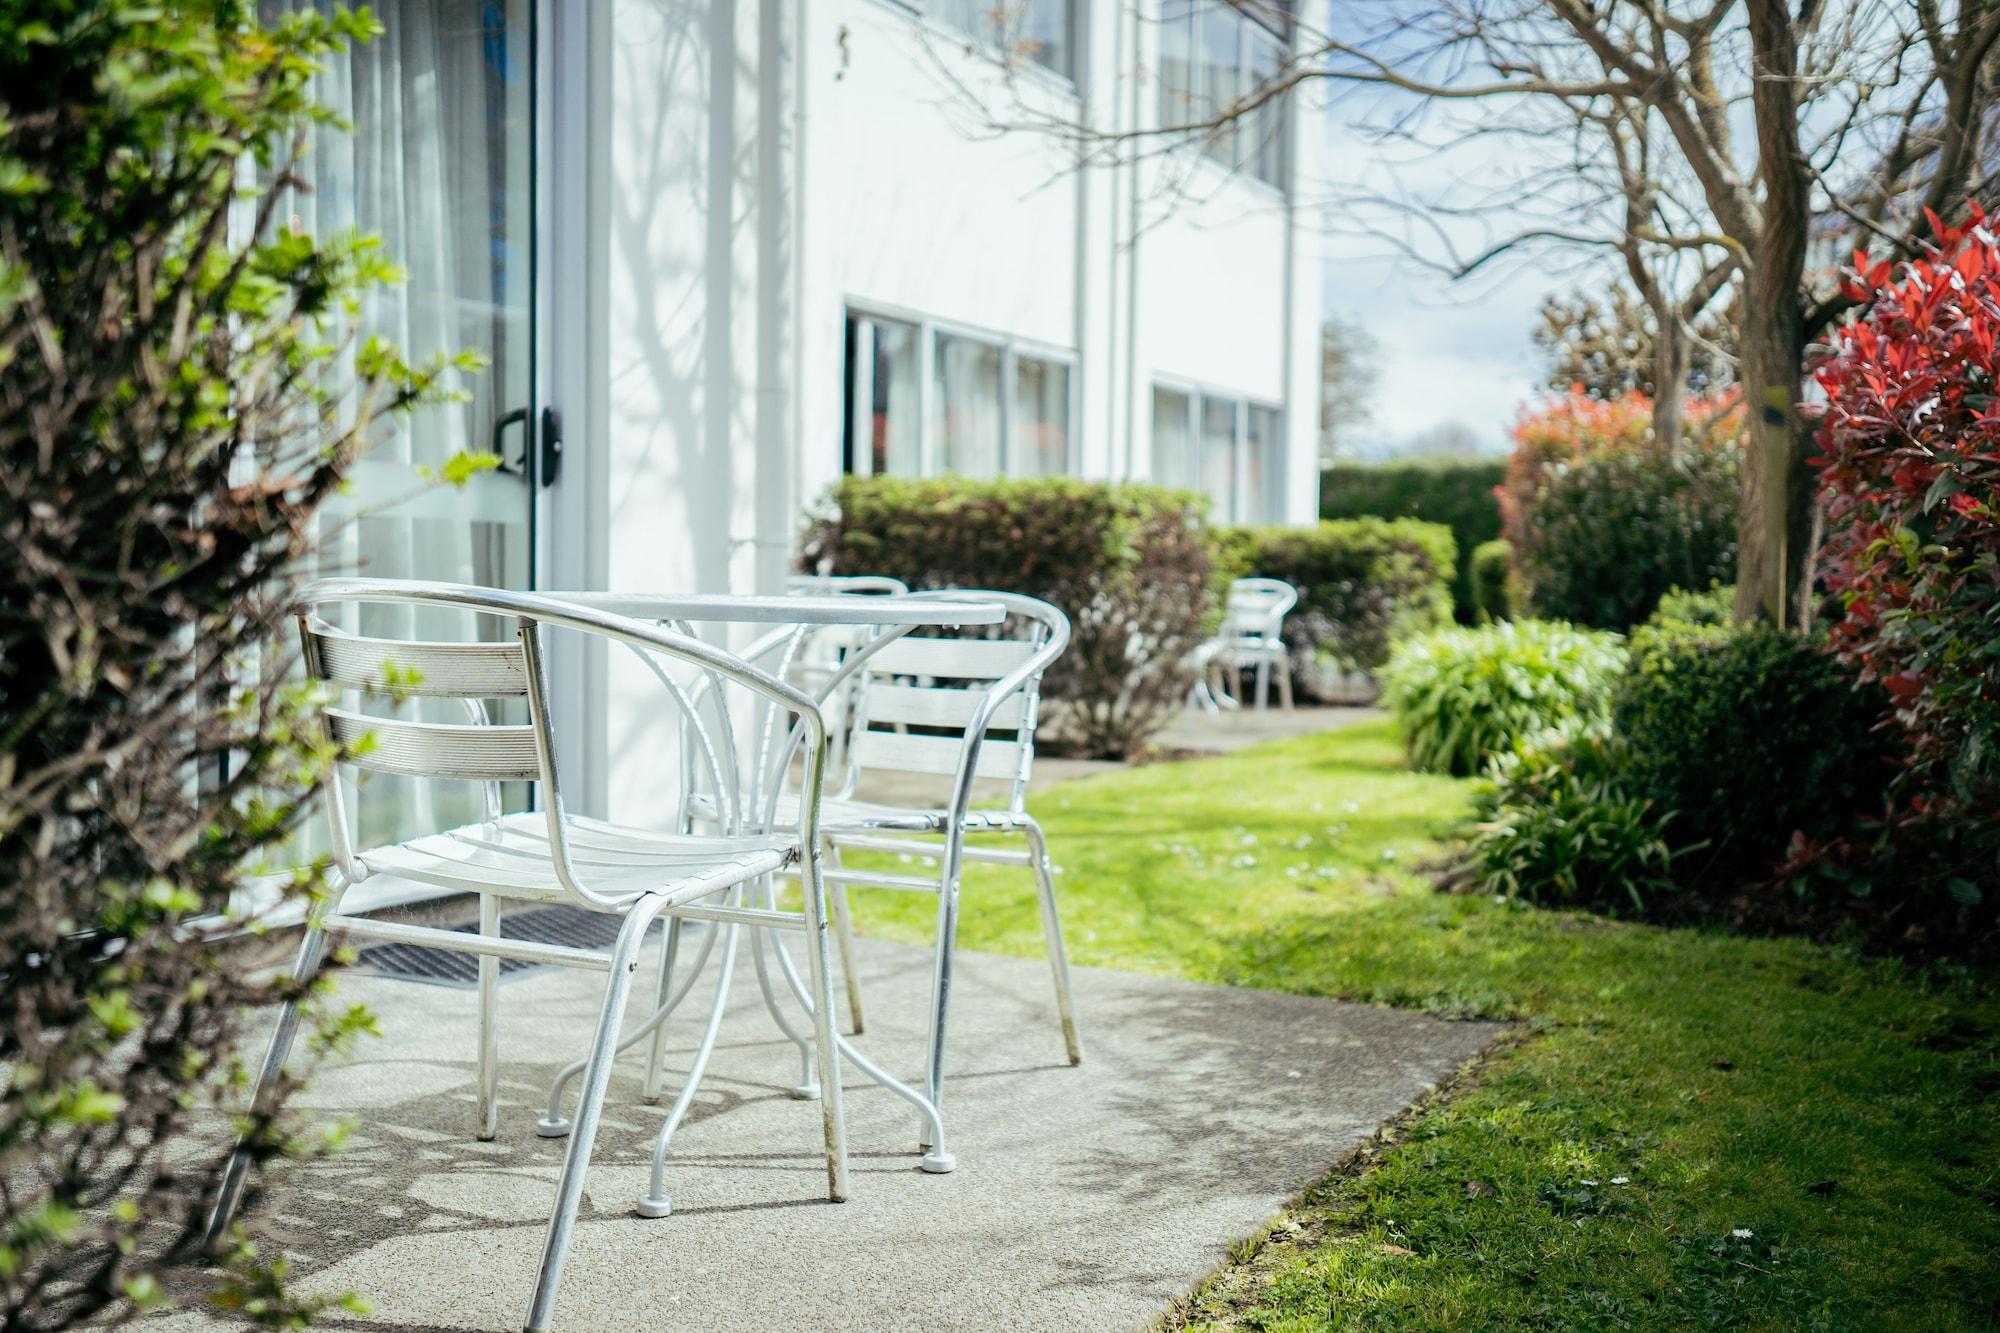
(1668, 1091)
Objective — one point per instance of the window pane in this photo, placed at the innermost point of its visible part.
(1264, 127)
(968, 406)
(1261, 454)
(884, 409)
(1218, 459)
(1171, 445)
(1176, 69)
(1041, 417)
(1045, 34)
(1220, 73)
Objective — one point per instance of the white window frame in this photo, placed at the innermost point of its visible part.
(1265, 504)
(928, 328)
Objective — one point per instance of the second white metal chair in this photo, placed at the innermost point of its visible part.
(1252, 638)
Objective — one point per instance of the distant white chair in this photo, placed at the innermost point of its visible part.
(549, 856)
(1251, 637)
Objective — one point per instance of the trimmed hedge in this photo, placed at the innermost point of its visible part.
(1748, 735)
(1457, 492)
(1363, 584)
(1130, 565)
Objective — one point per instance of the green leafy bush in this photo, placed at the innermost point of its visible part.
(175, 405)
(1493, 581)
(1749, 735)
(1457, 492)
(1363, 584)
(1463, 696)
(1130, 565)
(1603, 519)
(1557, 828)
(1683, 610)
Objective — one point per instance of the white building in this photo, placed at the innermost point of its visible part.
(736, 247)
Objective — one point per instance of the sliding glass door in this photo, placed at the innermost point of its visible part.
(437, 161)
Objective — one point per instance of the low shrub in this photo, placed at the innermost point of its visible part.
(1557, 828)
(1462, 696)
(1603, 520)
(1684, 610)
(1749, 736)
(1130, 566)
(1457, 492)
(1493, 591)
(1363, 584)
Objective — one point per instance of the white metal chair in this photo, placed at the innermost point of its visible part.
(963, 709)
(1251, 637)
(549, 856)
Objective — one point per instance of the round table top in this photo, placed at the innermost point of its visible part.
(745, 608)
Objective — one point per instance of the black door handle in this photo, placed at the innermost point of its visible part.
(497, 442)
(550, 461)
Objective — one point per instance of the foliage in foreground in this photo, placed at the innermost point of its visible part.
(1457, 492)
(173, 410)
(1363, 584)
(1463, 696)
(1129, 565)
(1602, 519)
(1665, 1087)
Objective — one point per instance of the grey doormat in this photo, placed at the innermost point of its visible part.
(570, 926)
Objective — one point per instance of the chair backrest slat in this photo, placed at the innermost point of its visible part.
(923, 706)
(951, 659)
(433, 670)
(934, 754)
(436, 750)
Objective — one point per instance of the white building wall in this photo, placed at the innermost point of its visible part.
(701, 370)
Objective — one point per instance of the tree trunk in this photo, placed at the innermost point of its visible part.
(1671, 355)
(1778, 528)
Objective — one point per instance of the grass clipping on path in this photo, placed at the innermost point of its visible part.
(1692, 1128)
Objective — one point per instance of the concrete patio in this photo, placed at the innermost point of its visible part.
(1086, 1197)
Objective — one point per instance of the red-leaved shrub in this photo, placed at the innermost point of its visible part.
(1910, 478)
(1909, 469)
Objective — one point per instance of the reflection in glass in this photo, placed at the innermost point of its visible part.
(1041, 417)
(967, 408)
(883, 412)
(1260, 455)
(1173, 443)
(1218, 459)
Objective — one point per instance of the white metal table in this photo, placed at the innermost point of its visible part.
(889, 617)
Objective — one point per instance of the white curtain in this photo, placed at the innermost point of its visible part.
(968, 411)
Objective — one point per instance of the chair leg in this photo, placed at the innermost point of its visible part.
(936, 1160)
(1284, 669)
(590, 1106)
(843, 934)
(312, 952)
(1045, 894)
(489, 1023)
(657, 1050)
(1263, 681)
(820, 965)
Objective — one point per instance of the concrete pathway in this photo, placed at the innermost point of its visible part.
(1086, 1197)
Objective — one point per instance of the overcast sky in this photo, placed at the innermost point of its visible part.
(1447, 351)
